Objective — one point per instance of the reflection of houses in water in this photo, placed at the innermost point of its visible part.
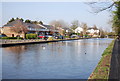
(16, 49)
(16, 53)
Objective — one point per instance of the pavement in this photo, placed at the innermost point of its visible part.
(115, 63)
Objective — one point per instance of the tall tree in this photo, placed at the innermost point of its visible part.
(11, 20)
(116, 18)
(17, 18)
(40, 22)
(27, 21)
(21, 19)
(35, 22)
(58, 24)
(19, 27)
(115, 4)
(95, 27)
(75, 24)
(85, 27)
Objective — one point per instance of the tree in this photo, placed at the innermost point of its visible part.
(17, 18)
(75, 24)
(101, 6)
(40, 22)
(85, 27)
(95, 27)
(19, 27)
(34, 22)
(116, 14)
(11, 20)
(58, 24)
(102, 33)
(22, 19)
(27, 21)
(116, 18)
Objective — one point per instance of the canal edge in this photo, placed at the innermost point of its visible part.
(101, 60)
(36, 42)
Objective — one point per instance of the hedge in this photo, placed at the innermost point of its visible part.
(11, 38)
(31, 36)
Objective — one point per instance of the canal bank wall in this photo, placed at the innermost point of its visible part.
(102, 70)
(7, 43)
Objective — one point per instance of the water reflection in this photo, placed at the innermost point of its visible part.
(66, 60)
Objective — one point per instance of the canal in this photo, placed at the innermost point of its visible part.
(74, 59)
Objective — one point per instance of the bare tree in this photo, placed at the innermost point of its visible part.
(101, 6)
(58, 24)
(19, 27)
(85, 27)
(95, 27)
(74, 24)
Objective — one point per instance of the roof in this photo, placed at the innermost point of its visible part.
(66, 28)
(34, 26)
(48, 26)
(92, 28)
(29, 25)
(13, 23)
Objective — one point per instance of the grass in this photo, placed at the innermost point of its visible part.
(103, 68)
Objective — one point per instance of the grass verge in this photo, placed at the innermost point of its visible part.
(103, 68)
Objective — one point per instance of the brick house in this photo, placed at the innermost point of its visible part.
(25, 28)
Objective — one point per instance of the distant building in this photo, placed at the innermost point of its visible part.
(1, 31)
(93, 32)
(67, 31)
(31, 28)
(78, 30)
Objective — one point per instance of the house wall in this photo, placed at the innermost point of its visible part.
(78, 30)
(7, 31)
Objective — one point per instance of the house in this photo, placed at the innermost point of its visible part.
(92, 31)
(67, 31)
(9, 27)
(78, 30)
(20, 28)
(1, 31)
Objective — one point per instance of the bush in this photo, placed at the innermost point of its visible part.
(67, 36)
(11, 38)
(31, 36)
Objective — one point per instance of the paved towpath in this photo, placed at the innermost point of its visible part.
(115, 63)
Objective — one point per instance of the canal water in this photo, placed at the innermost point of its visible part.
(58, 60)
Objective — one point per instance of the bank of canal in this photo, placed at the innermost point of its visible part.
(102, 70)
(74, 59)
(7, 43)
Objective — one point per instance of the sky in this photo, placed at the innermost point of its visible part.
(48, 11)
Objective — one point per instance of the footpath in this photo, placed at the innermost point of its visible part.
(115, 63)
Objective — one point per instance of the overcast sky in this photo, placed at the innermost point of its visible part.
(48, 11)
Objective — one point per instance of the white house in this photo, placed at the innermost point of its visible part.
(93, 31)
(78, 30)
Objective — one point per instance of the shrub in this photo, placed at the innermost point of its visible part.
(11, 38)
(31, 36)
(67, 36)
